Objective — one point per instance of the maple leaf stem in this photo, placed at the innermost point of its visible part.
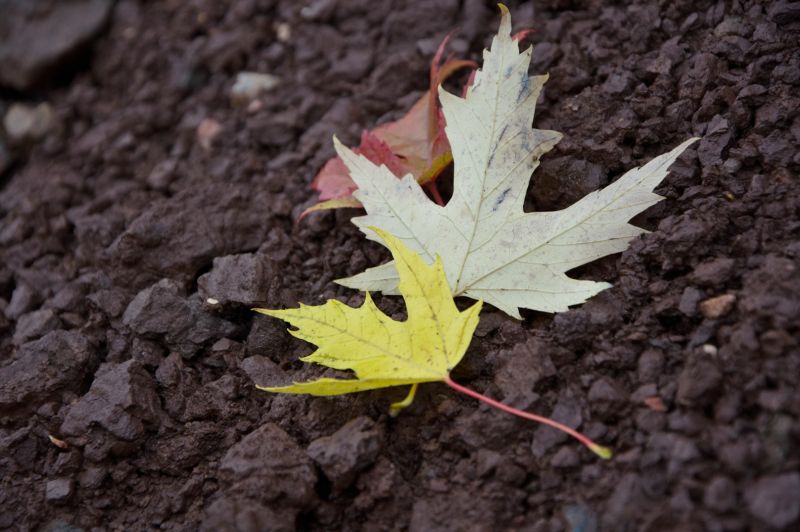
(434, 190)
(599, 450)
(395, 408)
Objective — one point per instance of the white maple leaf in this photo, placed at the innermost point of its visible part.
(492, 250)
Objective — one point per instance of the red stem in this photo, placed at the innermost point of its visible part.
(602, 452)
(434, 190)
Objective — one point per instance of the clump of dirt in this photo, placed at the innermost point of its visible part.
(137, 232)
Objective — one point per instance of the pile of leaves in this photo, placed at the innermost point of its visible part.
(481, 244)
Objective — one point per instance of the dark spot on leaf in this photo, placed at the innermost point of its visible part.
(525, 88)
(501, 198)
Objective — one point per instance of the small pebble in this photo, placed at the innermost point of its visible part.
(774, 499)
(250, 85)
(207, 131)
(23, 123)
(717, 307)
(58, 490)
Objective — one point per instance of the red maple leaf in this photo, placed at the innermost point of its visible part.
(415, 144)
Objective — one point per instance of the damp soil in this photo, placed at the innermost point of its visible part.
(127, 398)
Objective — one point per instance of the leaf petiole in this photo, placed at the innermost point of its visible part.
(395, 408)
(603, 452)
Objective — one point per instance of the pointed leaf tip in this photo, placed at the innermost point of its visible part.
(347, 202)
(337, 144)
(505, 21)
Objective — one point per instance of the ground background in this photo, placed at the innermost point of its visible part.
(117, 224)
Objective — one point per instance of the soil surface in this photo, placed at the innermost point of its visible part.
(127, 396)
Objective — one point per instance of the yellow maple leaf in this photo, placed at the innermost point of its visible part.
(383, 352)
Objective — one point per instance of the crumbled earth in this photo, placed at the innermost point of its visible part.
(148, 213)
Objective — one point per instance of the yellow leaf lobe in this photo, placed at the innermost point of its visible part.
(380, 351)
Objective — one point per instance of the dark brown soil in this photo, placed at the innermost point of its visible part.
(118, 225)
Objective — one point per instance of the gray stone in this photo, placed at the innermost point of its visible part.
(628, 494)
(318, 10)
(158, 309)
(527, 364)
(214, 400)
(713, 144)
(689, 300)
(784, 12)
(703, 71)
(565, 457)
(606, 390)
(162, 174)
(348, 451)
(206, 329)
(24, 299)
(776, 148)
(714, 272)
(43, 368)
(643, 392)
(35, 325)
(122, 400)
(486, 462)
(674, 447)
(39, 38)
(180, 235)
(58, 490)
(163, 310)
(580, 517)
(92, 476)
(699, 382)
(720, 494)
(14, 231)
(112, 301)
(269, 463)
(268, 336)
(650, 365)
(618, 82)
(774, 499)
(243, 279)
(261, 370)
(250, 85)
(752, 93)
(234, 514)
(69, 298)
(24, 124)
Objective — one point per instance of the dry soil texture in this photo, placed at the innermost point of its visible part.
(125, 213)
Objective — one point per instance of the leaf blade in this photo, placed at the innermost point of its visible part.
(327, 386)
(381, 351)
(493, 250)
